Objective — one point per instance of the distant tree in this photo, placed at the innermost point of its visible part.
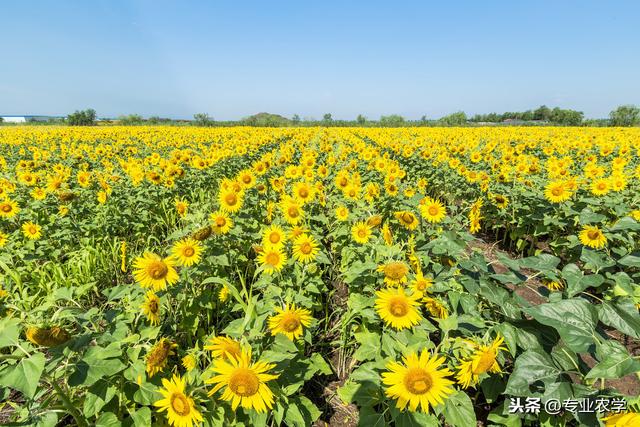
(423, 119)
(1, 119)
(131, 119)
(295, 119)
(327, 118)
(361, 120)
(542, 113)
(202, 119)
(625, 115)
(393, 120)
(455, 119)
(82, 118)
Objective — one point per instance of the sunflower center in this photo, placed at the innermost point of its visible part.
(246, 179)
(231, 199)
(362, 233)
(398, 306)
(418, 381)
(433, 210)
(303, 192)
(32, 229)
(180, 404)
(484, 362)
(421, 285)
(244, 382)
(274, 237)
(593, 234)
(221, 221)
(290, 323)
(306, 248)
(557, 191)
(157, 270)
(602, 186)
(188, 251)
(293, 211)
(6, 208)
(153, 306)
(407, 218)
(273, 258)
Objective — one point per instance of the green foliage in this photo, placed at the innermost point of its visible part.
(202, 119)
(625, 115)
(82, 118)
(394, 120)
(455, 119)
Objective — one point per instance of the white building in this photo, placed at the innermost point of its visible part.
(26, 119)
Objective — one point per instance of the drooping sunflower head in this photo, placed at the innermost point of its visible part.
(203, 233)
(397, 309)
(290, 321)
(47, 337)
(374, 220)
(187, 251)
(151, 308)
(407, 219)
(482, 361)
(158, 356)
(436, 308)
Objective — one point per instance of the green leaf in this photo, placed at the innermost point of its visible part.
(141, 417)
(615, 363)
(529, 367)
(577, 281)
(25, 375)
(9, 332)
(88, 373)
(574, 319)
(542, 262)
(97, 396)
(458, 410)
(368, 417)
(625, 224)
(622, 315)
(630, 261)
(369, 346)
(301, 412)
(108, 419)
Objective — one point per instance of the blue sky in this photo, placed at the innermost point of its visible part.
(235, 58)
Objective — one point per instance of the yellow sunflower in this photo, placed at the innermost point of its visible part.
(342, 213)
(481, 362)
(158, 356)
(187, 251)
(305, 248)
(274, 235)
(432, 210)
(418, 382)
(593, 237)
(181, 207)
(622, 419)
(303, 192)
(3, 239)
(31, 231)
(244, 382)
(387, 235)
(230, 200)
(436, 308)
(395, 273)
(361, 232)
(223, 347)
(272, 258)
(290, 321)
(151, 271)
(397, 309)
(151, 308)
(600, 187)
(189, 362)
(557, 192)
(180, 408)
(221, 222)
(8, 208)
(407, 219)
(292, 211)
(420, 284)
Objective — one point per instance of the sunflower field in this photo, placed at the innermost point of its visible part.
(244, 276)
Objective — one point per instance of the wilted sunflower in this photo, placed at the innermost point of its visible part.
(180, 408)
(361, 232)
(407, 219)
(305, 248)
(151, 308)
(31, 231)
(432, 210)
(290, 321)
(230, 200)
(398, 309)
(187, 251)
(419, 382)
(223, 347)
(436, 308)
(203, 233)
(593, 237)
(274, 235)
(244, 382)
(272, 258)
(395, 273)
(482, 361)
(151, 271)
(47, 337)
(221, 223)
(158, 356)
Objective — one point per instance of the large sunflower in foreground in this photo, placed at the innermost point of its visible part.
(593, 237)
(244, 382)
(622, 419)
(398, 309)
(180, 408)
(152, 271)
(481, 362)
(419, 382)
(290, 321)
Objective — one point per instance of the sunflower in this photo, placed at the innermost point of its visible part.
(158, 356)
(395, 273)
(151, 308)
(342, 213)
(181, 207)
(63, 210)
(407, 219)
(303, 192)
(223, 347)
(432, 210)
(592, 237)
(420, 284)
(31, 231)
(635, 214)
(374, 220)
(305, 248)
(221, 222)
(436, 308)
(386, 234)
(38, 193)
(553, 285)
(290, 321)
(600, 187)
(8, 208)
(187, 251)
(223, 294)
(397, 309)
(482, 361)
(272, 258)
(361, 232)
(274, 235)
(246, 178)
(154, 272)
(500, 201)
(244, 382)
(180, 408)
(230, 200)
(203, 233)
(557, 192)
(418, 382)
(3, 239)
(292, 211)
(47, 337)
(622, 419)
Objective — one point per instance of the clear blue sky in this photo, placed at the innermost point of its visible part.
(235, 58)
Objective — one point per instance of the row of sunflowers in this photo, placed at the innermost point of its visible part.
(253, 276)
